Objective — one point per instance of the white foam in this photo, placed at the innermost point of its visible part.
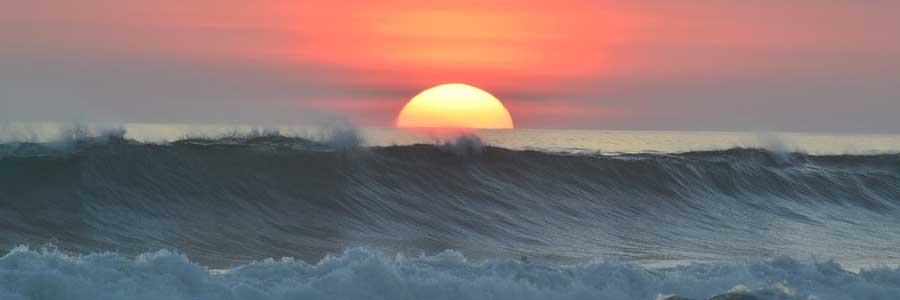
(367, 274)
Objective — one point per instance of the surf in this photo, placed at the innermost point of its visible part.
(363, 273)
(230, 200)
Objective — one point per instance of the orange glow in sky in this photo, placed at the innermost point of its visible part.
(425, 43)
(455, 105)
(508, 48)
(642, 64)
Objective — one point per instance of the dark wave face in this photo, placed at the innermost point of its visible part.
(228, 201)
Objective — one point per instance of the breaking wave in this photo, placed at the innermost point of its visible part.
(366, 274)
(532, 224)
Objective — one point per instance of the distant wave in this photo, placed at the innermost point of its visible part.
(230, 200)
(366, 274)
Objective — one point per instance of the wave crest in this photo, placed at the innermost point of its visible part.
(233, 199)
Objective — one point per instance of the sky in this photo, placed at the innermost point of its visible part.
(805, 65)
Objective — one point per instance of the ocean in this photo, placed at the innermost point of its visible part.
(149, 211)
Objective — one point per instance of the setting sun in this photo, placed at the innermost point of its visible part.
(455, 105)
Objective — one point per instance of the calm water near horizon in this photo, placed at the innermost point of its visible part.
(562, 140)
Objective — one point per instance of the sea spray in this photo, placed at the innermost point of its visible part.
(465, 145)
(776, 145)
(341, 135)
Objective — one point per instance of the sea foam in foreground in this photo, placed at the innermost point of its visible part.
(365, 274)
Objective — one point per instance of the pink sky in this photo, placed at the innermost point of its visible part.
(750, 65)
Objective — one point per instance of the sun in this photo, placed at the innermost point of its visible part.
(455, 105)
